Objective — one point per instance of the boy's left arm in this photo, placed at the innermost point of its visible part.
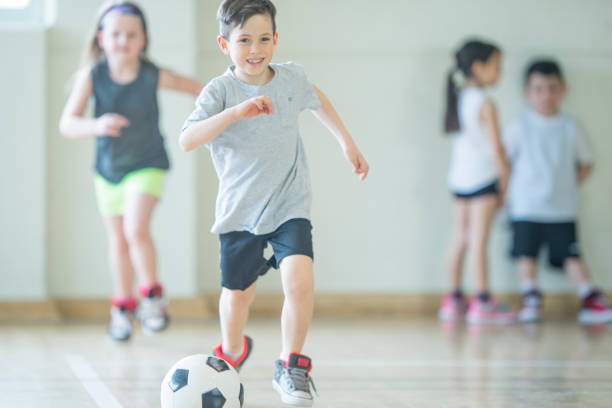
(329, 117)
(179, 83)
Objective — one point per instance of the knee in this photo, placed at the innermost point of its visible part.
(137, 234)
(238, 299)
(299, 292)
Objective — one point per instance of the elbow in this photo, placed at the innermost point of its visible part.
(64, 128)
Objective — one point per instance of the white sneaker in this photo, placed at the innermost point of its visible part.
(596, 309)
(153, 314)
(531, 311)
(120, 327)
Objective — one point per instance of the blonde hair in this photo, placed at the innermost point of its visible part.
(93, 53)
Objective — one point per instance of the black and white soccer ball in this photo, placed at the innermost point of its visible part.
(202, 381)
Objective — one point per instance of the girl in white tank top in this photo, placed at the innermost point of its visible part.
(478, 178)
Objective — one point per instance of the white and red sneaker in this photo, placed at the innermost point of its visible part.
(596, 309)
(489, 312)
(452, 308)
(247, 347)
(292, 380)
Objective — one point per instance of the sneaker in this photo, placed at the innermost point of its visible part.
(153, 310)
(247, 347)
(489, 312)
(120, 327)
(292, 380)
(531, 311)
(452, 308)
(596, 309)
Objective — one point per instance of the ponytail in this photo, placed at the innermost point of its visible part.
(451, 118)
(469, 53)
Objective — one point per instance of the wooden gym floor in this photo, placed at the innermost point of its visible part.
(358, 362)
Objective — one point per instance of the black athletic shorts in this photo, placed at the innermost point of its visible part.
(486, 190)
(242, 253)
(560, 238)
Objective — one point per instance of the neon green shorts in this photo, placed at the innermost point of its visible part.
(111, 197)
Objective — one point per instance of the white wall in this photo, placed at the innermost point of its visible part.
(22, 168)
(381, 63)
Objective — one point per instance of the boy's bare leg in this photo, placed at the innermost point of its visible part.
(234, 308)
(298, 286)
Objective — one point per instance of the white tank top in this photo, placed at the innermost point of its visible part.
(472, 166)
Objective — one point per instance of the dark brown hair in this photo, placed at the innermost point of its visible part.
(544, 67)
(470, 52)
(234, 13)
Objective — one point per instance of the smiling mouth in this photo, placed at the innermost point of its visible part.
(255, 61)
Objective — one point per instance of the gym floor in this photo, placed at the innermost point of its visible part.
(357, 363)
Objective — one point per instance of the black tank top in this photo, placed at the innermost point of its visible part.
(141, 144)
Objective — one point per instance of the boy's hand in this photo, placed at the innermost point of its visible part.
(254, 107)
(110, 124)
(360, 165)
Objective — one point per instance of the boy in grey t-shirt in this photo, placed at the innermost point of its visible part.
(550, 157)
(248, 119)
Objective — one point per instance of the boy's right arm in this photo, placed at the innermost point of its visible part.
(204, 131)
(72, 123)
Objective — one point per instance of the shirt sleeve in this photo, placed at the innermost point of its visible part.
(210, 102)
(511, 138)
(307, 94)
(584, 153)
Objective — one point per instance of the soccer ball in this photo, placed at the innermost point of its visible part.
(202, 381)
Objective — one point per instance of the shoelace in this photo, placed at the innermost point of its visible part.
(301, 379)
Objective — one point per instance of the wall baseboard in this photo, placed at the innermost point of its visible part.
(326, 305)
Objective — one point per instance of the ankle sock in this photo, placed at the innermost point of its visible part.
(124, 304)
(155, 290)
(585, 289)
(233, 356)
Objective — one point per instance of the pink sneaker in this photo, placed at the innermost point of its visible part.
(489, 312)
(596, 309)
(452, 308)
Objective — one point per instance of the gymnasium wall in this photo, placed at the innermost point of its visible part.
(381, 63)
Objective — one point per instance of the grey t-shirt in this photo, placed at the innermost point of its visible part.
(263, 174)
(544, 152)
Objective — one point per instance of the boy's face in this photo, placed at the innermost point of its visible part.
(545, 93)
(251, 48)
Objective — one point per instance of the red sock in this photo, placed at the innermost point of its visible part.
(124, 304)
(151, 291)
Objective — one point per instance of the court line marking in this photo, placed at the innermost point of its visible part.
(92, 383)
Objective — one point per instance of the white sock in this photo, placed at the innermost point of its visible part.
(233, 356)
(527, 285)
(585, 289)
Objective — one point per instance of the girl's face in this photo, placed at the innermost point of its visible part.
(122, 37)
(251, 48)
(487, 73)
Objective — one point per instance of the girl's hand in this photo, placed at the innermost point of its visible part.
(110, 124)
(360, 165)
(254, 107)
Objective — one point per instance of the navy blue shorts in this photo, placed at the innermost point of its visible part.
(560, 238)
(486, 190)
(242, 253)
